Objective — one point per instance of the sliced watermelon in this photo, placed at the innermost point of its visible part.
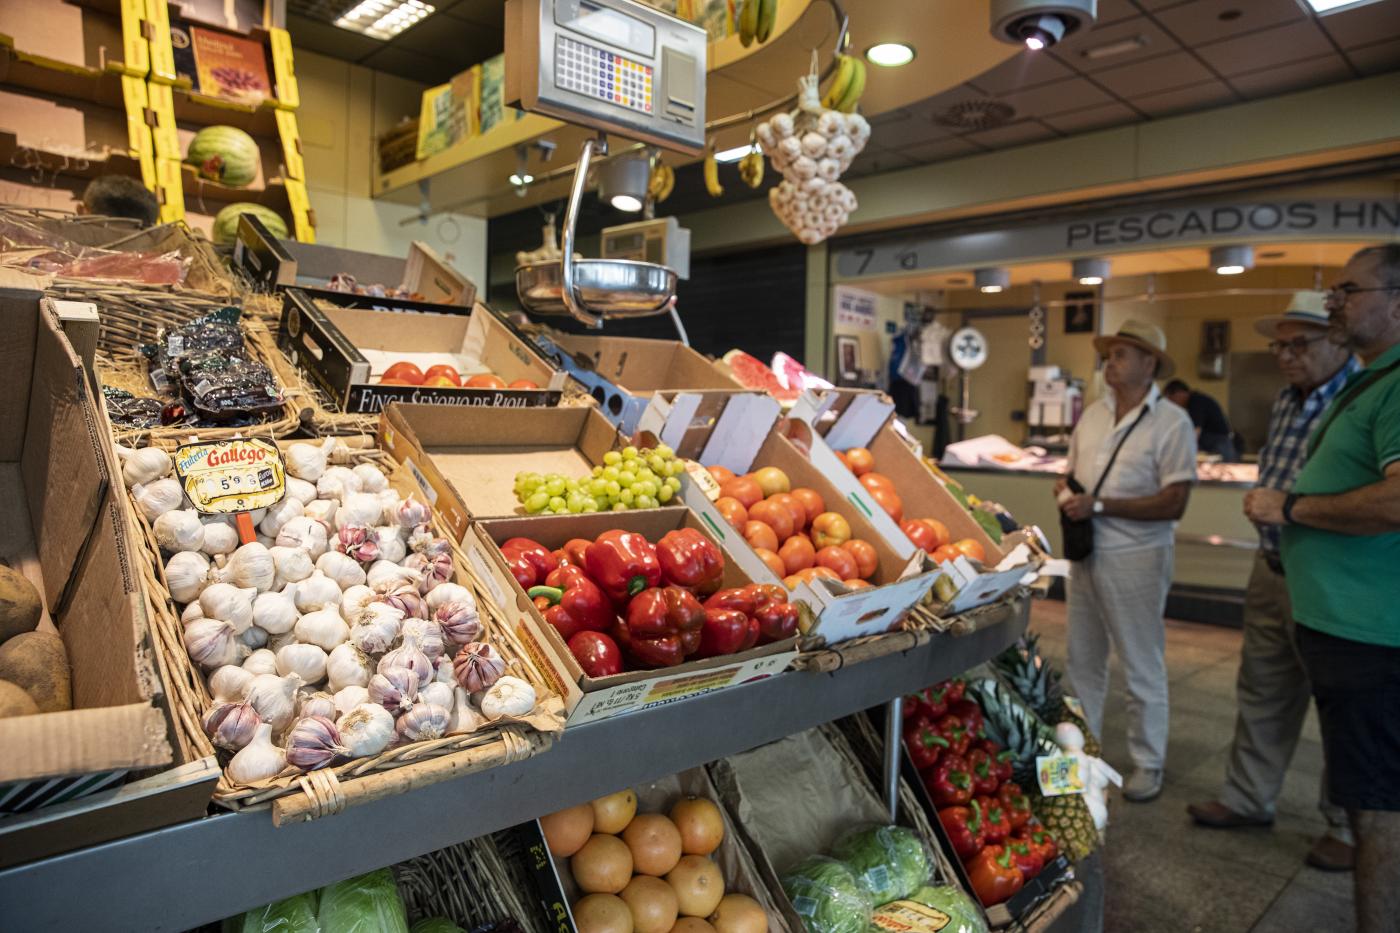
(751, 373)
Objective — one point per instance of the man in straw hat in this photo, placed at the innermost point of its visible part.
(1272, 688)
(1132, 461)
(1341, 548)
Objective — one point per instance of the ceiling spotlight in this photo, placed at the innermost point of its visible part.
(991, 280)
(516, 179)
(622, 182)
(1321, 7)
(733, 155)
(1231, 260)
(1039, 24)
(890, 54)
(384, 19)
(1090, 271)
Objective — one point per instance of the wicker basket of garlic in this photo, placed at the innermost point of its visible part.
(348, 640)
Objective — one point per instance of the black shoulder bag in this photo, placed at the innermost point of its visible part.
(1078, 534)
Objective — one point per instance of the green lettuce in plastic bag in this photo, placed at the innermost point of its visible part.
(827, 896)
(435, 925)
(293, 915)
(940, 908)
(367, 904)
(890, 861)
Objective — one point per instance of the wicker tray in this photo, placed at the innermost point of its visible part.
(473, 884)
(298, 797)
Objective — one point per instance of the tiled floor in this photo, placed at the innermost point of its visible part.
(1161, 872)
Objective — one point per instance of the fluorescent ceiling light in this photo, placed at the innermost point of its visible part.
(1122, 47)
(516, 179)
(733, 155)
(1332, 6)
(890, 54)
(384, 19)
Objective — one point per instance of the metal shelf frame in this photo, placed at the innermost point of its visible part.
(197, 872)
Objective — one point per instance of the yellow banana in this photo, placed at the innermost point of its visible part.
(767, 14)
(840, 82)
(748, 22)
(751, 169)
(712, 184)
(856, 88)
(668, 183)
(656, 184)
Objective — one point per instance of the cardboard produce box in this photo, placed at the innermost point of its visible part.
(467, 461)
(61, 494)
(347, 350)
(624, 373)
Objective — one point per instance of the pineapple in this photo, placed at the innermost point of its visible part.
(1038, 683)
(1016, 728)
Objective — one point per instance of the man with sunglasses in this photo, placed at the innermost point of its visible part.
(1272, 687)
(1341, 551)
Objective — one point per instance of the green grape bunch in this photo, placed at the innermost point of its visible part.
(629, 478)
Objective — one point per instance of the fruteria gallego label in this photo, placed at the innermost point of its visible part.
(237, 475)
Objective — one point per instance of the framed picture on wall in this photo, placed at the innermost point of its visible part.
(848, 359)
(1079, 312)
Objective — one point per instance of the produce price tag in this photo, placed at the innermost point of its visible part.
(1059, 774)
(702, 478)
(909, 917)
(231, 476)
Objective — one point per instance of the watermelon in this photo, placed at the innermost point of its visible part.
(224, 154)
(226, 222)
(751, 373)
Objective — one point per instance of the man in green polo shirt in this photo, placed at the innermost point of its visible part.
(1341, 556)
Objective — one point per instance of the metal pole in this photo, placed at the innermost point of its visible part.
(894, 718)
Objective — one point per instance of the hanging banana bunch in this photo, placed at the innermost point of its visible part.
(712, 184)
(756, 18)
(662, 180)
(846, 86)
(751, 165)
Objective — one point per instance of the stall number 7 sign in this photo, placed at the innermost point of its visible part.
(238, 475)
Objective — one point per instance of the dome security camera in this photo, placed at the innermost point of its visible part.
(1039, 24)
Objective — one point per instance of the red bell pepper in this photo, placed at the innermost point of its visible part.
(1026, 859)
(724, 632)
(776, 621)
(924, 745)
(935, 702)
(948, 783)
(1039, 840)
(539, 557)
(952, 689)
(964, 828)
(1016, 804)
(994, 876)
(522, 569)
(913, 705)
(596, 653)
(622, 563)
(738, 598)
(984, 779)
(995, 826)
(648, 652)
(1001, 760)
(574, 549)
(954, 733)
(577, 605)
(666, 613)
(970, 714)
(691, 560)
(766, 593)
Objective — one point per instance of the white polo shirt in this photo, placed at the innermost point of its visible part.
(1160, 451)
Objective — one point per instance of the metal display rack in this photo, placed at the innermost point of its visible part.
(198, 872)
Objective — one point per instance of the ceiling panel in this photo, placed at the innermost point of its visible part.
(1314, 72)
(1178, 69)
(911, 130)
(1266, 48)
(940, 150)
(1022, 70)
(483, 12)
(1155, 43)
(1091, 118)
(329, 40)
(1202, 21)
(403, 62)
(1013, 134)
(1111, 11)
(1364, 25)
(1058, 97)
(450, 40)
(1378, 58)
(874, 159)
(1196, 97)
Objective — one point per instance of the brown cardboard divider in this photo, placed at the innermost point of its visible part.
(640, 366)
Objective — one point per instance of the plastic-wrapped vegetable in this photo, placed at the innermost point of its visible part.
(435, 925)
(366, 904)
(225, 387)
(217, 331)
(132, 411)
(827, 896)
(890, 861)
(940, 908)
(294, 915)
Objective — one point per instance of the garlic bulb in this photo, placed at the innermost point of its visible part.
(450, 593)
(322, 511)
(275, 613)
(342, 568)
(442, 671)
(458, 620)
(353, 601)
(366, 730)
(348, 667)
(314, 742)
(230, 683)
(407, 599)
(274, 698)
(230, 603)
(376, 628)
(305, 532)
(266, 541)
(179, 530)
(323, 628)
(371, 479)
(359, 508)
(357, 541)
(306, 661)
(253, 637)
(301, 490)
(427, 634)
(410, 655)
(262, 661)
(186, 574)
(384, 576)
(390, 544)
(394, 688)
(509, 696)
(250, 566)
(316, 592)
(258, 760)
(231, 725)
(156, 498)
(477, 666)
(190, 613)
(349, 698)
(317, 704)
(140, 467)
(331, 488)
(279, 514)
(343, 478)
(411, 513)
(435, 570)
(439, 694)
(293, 564)
(389, 500)
(278, 642)
(465, 718)
(212, 643)
(308, 461)
(426, 721)
(219, 538)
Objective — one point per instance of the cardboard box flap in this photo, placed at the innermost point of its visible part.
(104, 610)
(702, 425)
(19, 293)
(83, 741)
(424, 332)
(640, 365)
(858, 416)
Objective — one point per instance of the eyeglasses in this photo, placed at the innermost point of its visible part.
(1297, 346)
(1341, 294)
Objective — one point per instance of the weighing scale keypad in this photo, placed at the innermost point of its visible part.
(601, 74)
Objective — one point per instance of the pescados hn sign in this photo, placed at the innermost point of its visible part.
(1166, 226)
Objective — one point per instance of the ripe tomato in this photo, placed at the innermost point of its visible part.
(940, 530)
(759, 535)
(838, 560)
(744, 489)
(830, 528)
(733, 511)
(523, 384)
(811, 573)
(860, 460)
(485, 381)
(721, 474)
(874, 481)
(774, 562)
(442, 369)
(856, 584)
(386, 381)
(867, 559)
(811, 501)
(791, 580)
(406, 371)
(796, 509)
(889, 501)
(919, 533)
(772, 480)
(797, 554)
(944, 553)
(775, 515)
(972, 548)
(441, 381)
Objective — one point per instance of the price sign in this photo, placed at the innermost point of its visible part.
(231, 476)
(1060, 774)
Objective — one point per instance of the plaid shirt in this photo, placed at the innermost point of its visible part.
(1290, 424)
